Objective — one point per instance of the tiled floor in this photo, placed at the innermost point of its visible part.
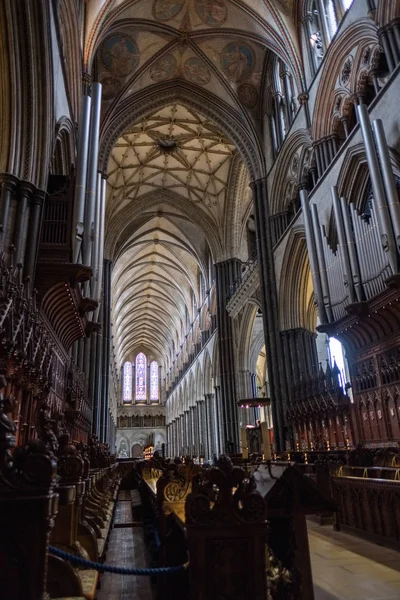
(348, 568)
(126, 548)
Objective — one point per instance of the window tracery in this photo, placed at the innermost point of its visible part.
(154, 391)
(140, 374)
(127, 382)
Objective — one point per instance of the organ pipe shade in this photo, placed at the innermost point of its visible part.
(80, 181)
(379, 198)
(91, 182)
(388, 178)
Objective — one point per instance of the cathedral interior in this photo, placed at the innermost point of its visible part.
(199, 299)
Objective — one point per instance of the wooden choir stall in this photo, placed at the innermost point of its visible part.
(52, 493)
(242, 530)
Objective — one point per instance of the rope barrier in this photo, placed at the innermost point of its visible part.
(78, 560)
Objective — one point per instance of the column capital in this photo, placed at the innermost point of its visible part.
(26, 188)
(9, 181)
(39, 197)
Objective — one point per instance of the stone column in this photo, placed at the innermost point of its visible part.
(188, 432)
(218, 413)
(106, 347)
(210, 425)
(300, 355)
(270, 312)
(9, 184)
(215, 425)
(202, 426)
(25, 193)
(192, 431)
(34, 226)
(226, 273)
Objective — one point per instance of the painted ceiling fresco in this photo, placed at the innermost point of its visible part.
(204, 42)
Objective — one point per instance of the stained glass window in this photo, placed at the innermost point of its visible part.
(127, 379)
(140, 377)
(154, 380)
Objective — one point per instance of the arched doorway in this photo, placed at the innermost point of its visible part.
(136, 451)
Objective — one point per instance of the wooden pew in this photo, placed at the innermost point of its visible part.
(28, 505)
(80, 487)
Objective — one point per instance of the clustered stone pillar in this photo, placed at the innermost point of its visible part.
(300, 355)
(227, 272)
(21, 210)
(270, 312)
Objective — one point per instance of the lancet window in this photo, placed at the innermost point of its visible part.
(140, 373)
(154, 392)
(127, 382)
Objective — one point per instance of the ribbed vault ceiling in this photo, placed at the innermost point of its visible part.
(161, 263)
(156, 285)
(176, 150)
(171, 174)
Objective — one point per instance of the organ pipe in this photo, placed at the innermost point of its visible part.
(351, 248)
(321, 261)
(348, 279)
(101, 238)
(379, 198)
(312, 254)
(91, 182)
(80, 181)
(388, 179)
(96, 232)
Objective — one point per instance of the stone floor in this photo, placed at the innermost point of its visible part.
(126, 548)
(346, 567)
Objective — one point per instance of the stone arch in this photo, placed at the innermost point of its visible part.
(208, 374)
(238, 204)
(64, 147)
(191, 390)
(68, 24)
(360, 35)
(136, 450)
(213, 300)
(257, 344)
(123, 444)
(293, 161)
(386, 12)
(296, 285)
(199, 381)
(244, 336)
(277, 36)
(122, 225)
(26, 103)
(159, 440)
(241, 133)
(354, 174)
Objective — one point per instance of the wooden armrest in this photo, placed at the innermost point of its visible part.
(89, 579)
